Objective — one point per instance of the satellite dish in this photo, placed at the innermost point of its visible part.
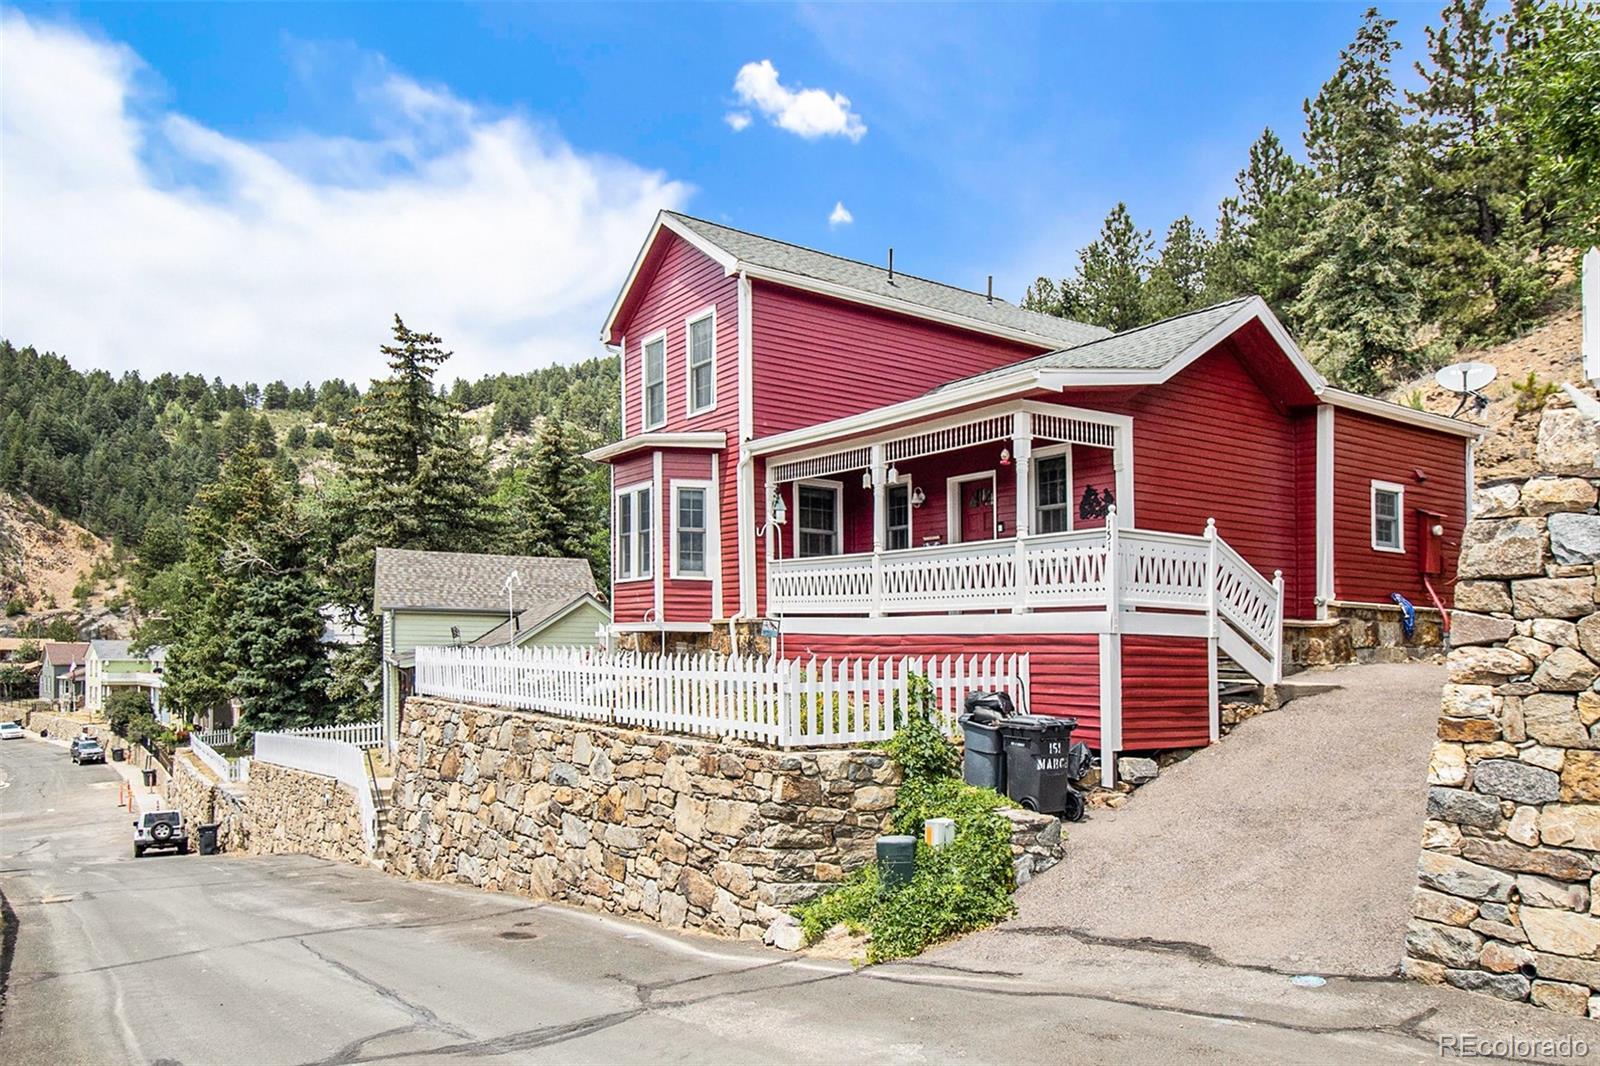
(1467, 380)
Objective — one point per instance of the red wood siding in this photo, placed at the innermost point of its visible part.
(1065, 667)
(1367, 449)
(683, 283)
(818, 359)
(683, 599)
(1300, 594)
(1165, 701)
(631, 599)
(1210, 443)
(1091, 468)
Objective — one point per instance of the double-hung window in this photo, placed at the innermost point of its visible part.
(816, 528)
(689, 531)
(1388, 507)
(1052, 496)
(633, 533)
(898, 499)
(702, 337)
(655, 381)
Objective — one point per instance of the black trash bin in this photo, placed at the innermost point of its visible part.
(1038, 766)
(118, 754)
(149, 779)
(983, 754)
(208, 838)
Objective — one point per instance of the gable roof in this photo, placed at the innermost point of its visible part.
(112, 649)
(63, 652)
(531, 621)
(467, 581)
(1148, 347)
(806, 268)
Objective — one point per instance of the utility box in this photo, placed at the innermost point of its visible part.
(1430, 542)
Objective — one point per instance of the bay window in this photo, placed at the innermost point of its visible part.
(634, 528)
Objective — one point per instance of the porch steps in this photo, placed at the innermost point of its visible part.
(1234, 683)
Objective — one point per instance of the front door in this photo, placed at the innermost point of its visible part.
(977, 510)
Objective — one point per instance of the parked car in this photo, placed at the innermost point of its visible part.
(87, 750)
(160, 829)
(11, 731)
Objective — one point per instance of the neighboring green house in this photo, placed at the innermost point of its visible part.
(61, 674)
(445, 598)
(111, 665)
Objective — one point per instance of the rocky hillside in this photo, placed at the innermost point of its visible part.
(1553, 353)
(50, 567)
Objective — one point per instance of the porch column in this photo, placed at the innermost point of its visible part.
(880, 525)
(1022, 526)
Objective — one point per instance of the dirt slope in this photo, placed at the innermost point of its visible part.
(42, 558)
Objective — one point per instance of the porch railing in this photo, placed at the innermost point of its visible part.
(1108, 569)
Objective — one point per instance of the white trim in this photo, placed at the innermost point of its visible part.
(1395, 412)
(631, 490)
(705, 488)
(644, 381)
(611, 596)
(1110, 705)
(1324, 510)
(1399, 515)
(927, 624)
(1472, 477)
(838, 517)
(709, 311)
(622, 389)
(714, 440)
(1213, 697)
(699, 243)
(656, 532)
(745, 472)
(953, 514)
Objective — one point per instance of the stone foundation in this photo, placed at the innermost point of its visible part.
(1508, 901)
(1362, 632)
(725, 638)
(686, 832)
(1035, 843)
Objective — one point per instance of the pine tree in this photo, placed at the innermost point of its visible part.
(1275, 203)
(548, 503)
(1108, 289)
(263, 438)
(1178, 279)
(1483, 277)
(1359, 308)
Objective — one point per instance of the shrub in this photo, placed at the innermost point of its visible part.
(963, 886)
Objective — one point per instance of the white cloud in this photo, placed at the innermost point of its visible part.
(738, 120)
(811, 113)
(840, 215)
(141, 239)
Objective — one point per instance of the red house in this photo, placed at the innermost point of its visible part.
(867, 462)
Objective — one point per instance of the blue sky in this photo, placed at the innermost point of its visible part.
(329, 143)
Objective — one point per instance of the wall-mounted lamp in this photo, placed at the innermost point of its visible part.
(1005, 456)
(918, 497)
(866, 479)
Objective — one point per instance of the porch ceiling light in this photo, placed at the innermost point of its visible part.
(893, 475)
(866, 479)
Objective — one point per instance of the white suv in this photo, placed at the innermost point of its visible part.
(160, 829)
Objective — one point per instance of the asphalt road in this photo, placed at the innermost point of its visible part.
(224, 959)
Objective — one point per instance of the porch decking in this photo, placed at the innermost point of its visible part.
(1111, 572)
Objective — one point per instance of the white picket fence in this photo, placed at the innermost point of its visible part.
(786, 702)
(361, 734)
(225, 768)
(338, 759)
(217, 738)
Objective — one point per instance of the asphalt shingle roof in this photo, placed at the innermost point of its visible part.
(875, 281)
(61, 653)
(112, 649)
(464, 581)
(532, 618)
(1148, 347)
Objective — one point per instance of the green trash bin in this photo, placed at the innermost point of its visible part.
(897, 859)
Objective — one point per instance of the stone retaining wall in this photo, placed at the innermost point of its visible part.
(281, 811)
(687, 832)
(60, 724)
(1508, 900)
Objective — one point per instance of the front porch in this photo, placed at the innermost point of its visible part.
(1011, 519)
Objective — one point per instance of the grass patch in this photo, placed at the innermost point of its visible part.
(963, 886)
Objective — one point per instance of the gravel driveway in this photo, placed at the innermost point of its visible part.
(1291, 845)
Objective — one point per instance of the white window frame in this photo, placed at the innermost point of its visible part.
(837, 488)
(688, 358)
(709, 551)
(632, 491)
(1399, 492)
(644, 381)
(952, 498)
(911, 514)
(1050, 451)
